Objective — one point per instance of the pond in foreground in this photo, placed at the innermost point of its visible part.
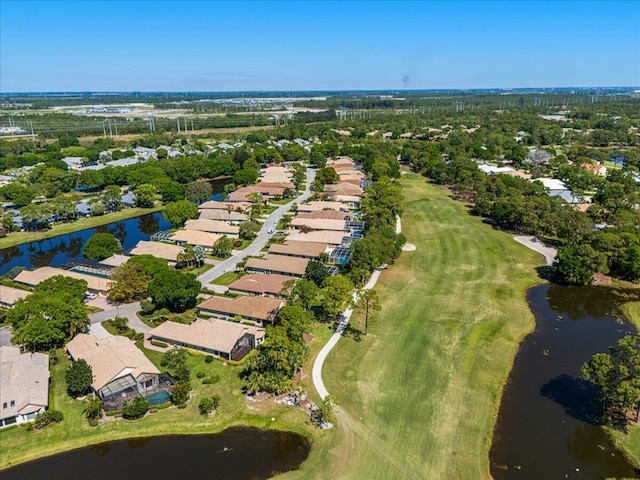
(235, 454)
(546, 425)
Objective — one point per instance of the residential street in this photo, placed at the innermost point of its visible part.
(262, 238)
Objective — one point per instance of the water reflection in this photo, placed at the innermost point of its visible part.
(546, 426)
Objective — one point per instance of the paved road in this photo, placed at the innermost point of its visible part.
(125, 310)
(262, 237)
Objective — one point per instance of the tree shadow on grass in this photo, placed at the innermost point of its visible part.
(575, 395)
(352, 332)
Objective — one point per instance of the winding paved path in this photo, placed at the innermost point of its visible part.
(537, 246)
(322, 355)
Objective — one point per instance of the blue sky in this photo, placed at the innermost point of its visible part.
(315, 45)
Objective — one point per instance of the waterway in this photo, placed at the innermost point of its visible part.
(546, 426)
(234, 454)
(57, 251)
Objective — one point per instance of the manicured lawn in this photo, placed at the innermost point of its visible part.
(227, 278)
(200, 270)
(18, 445)
(18, 238)
(419, 395)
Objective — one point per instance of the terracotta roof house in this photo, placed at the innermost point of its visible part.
(119, 368)
(352, 179)
(318, 236)
(214, 205)
(343, 188)
(318, 224)
(34, 277)
(242, 194)
(272, 285)
(10, 295)
(299, 249)
(228, 340)
(596, 169)
(115, 260)
(250, 308)
(315, 206)
(232, 217)
(158, 250)
(24, 385)
(326, 214)
(272, 184)
(195, 238)
(292, 266)
(341, 162)
(351, 202)
(212, 226)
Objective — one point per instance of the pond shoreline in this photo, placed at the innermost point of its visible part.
(19, 238)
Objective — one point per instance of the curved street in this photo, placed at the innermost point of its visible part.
(261, 239)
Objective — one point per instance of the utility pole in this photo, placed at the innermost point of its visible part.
(115, 125)
(104, 129)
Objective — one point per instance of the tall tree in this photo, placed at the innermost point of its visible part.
(101, 246)
(368, 301)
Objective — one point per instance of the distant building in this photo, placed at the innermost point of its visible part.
(291, 266)
(259, 310)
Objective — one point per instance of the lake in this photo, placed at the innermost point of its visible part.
(235, 454)
(57, 251)
(546, 425)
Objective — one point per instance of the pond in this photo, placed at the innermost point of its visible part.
(57, 251)
(234, 454)
(546, 425)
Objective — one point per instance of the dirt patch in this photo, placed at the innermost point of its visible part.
(408, 247)
(601, 279)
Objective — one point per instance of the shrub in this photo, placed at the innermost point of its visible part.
(79, 377)
(237, 243)
(47, 417)
(208, 358)
(135, 408)
(200, 375)
(180, 392)
(156, 343)
(215, 378)
(182, 405)
(138, 336)
(209, 404)
(93, 422)
(147, 307)
(93, 407)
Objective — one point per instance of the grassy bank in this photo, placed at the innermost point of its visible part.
(629, 442)
(419, 395)
(18, 445)
(18, 238)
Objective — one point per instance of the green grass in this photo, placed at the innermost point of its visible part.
(227, 278)
(420, 394)
(18, 238)
(18, 445)
(629, 442)
(200, 270)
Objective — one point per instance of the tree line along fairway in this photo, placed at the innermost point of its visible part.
(419, 395)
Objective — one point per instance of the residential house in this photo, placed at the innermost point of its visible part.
(325, 214)
(270, 263)
(215, 205)
(308, 250)
(158, 250)
(306, 224)
(9, 295)
(120, 369)
(596, 169)
(272, 285)
(259, 310)
(315, 206)
(318, 236)
(213, 226)
(195, 238)
(32, 278)
(242, 194)
(228, 340)
(233, 218)
(24, 385)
